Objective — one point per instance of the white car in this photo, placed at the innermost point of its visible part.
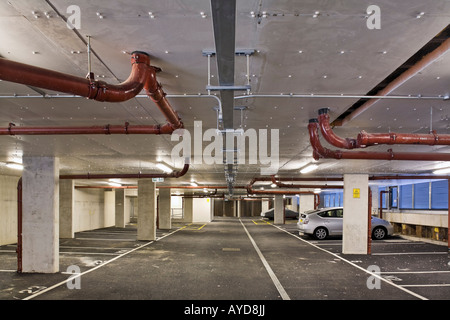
(329, 221)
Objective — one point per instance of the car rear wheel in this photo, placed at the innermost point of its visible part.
(320, 233)
(379, 233)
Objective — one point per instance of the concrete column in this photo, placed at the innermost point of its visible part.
(66, 208)
(40, 205)
(239, 208)
(120, 208)
(188, 210)
(264, 205)
(306, 202)
(165, 209)
(278, 216)
(294, 206)
(109, 208)
(146, 222)
(355, 230)
(8, 212)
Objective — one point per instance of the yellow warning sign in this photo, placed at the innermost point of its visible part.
(356, 193)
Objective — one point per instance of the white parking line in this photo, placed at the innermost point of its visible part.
(272, 275)
(427, 285)
(95, 268)
(415, 272)
(355, 265)
(405, 253)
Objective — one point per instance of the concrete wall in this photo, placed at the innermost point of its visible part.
(8, 209)
(430, 219)
(201, 210)
(89, 211)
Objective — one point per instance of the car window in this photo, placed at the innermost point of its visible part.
(326, 214)
(339, 213)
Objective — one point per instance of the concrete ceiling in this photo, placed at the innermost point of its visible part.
(295, 52)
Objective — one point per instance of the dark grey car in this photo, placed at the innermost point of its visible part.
(289, 214)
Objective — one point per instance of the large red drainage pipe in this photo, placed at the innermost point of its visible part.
(365, 139)
(107, 129)
(142, 76)
(320, 151)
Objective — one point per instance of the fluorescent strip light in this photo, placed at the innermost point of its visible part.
(442, 171)
(114, 184)
(164, 168)
(309, 168)
(194, 184)
(16, 166)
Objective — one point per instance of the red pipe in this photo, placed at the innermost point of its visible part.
(89, 88)
(175, 174)
(142, 76)
(328, 134)
(370, 139)
(369, 222)
(321, 152)
(19, 226)
(381, 202)
(108, 129)
(295, 186)
(365, 139)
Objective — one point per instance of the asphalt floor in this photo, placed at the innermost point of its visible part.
(230, 259)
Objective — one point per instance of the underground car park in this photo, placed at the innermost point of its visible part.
(205, 151)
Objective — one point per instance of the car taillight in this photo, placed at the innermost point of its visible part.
(305, 221)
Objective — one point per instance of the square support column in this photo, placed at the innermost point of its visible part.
(188, 209)
(264, 205)
(165, 209)
(356, 218)
(278, 214)
(120, 208)
(40, 219)
(306, 202)
(66, 208)
(146, 222)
